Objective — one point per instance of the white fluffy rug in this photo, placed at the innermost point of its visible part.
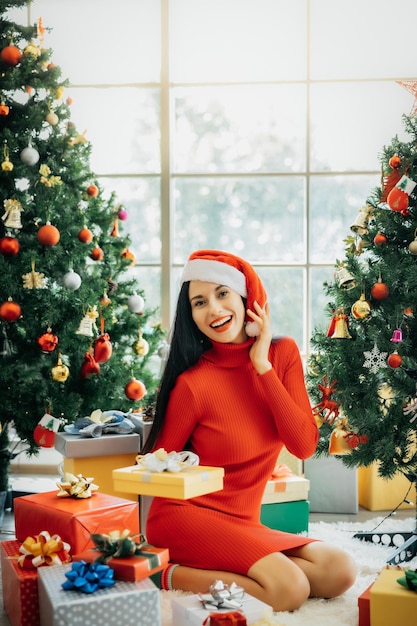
(370, 559)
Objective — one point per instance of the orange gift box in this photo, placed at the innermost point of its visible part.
(74, 520)
(20, 587)
(132, 568)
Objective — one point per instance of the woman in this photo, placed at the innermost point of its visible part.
(234, 396)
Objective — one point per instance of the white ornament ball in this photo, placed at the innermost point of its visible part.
(72, 280)
(29, 156)
(135, 304)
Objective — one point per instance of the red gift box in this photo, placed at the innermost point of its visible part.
(364, 607)
(20, 587)
(234, 618)
(132, 568)
(73, 519)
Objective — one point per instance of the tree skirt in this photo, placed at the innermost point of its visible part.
(370, 559)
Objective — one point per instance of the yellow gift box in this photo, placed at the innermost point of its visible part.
(100, 468)
(390, 602)
(378, 494)
(287, 489)
(188, 483)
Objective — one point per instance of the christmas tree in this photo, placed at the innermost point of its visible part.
(362, 374)
(76, 335)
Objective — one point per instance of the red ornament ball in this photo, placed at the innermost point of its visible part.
(380, 291)
(10, 55)
(48, 341)
(97, 254)
(10, 311)
(92, 191)
(397, 200)
(48, 235)
(394, 360)
(395, 162)
(4, 110)
(380, 239)
(85, 235)
(9, 246)
(135, 390)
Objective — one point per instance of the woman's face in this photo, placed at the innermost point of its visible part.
(218, 311)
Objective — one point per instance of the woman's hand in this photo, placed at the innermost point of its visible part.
(259, 352)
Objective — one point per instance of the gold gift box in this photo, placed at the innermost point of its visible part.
(288, 489)
(189, 483)
(390, 602)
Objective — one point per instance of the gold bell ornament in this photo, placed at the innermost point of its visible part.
(12, 215)
(338, 442)
(6, 165)
(361, 309)
(141, 346)
(360, 225)
(60, 371)
(344, 278)
(413, 245)
(339, 325)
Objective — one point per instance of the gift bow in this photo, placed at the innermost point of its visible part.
(163, 461)
(43, 549)
(223, 596)
(88, 577)
(409, 580)
(76, 486)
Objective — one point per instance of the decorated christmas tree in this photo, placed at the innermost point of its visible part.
(362, 375)
(76, 335)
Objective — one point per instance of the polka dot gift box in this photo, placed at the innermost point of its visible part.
(20, 587)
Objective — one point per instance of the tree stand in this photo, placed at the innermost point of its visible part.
(407, 549)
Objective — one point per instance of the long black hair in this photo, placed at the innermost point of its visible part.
(187, 344)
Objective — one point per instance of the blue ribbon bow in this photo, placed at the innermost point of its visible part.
(88, 577)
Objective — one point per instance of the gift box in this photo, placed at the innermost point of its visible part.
(290, 517)
(189, 611)
(364, 608)
(132, 568)
(97, 457)
(378, 494)
(333, 486)
(20, 587)
(287, 489)
(188, 483)
(74, 520)
(123, 603)
(390, 602)
(76, 446)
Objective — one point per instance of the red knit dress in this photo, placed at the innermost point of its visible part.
(230, 416)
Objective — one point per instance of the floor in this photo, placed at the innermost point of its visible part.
(7, 531)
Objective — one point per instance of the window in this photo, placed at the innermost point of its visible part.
(248, 125)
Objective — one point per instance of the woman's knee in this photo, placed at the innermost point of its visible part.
(290, 590)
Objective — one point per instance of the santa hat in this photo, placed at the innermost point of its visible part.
(223, 268)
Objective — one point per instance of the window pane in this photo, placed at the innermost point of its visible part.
(262, 219)
(140, 197)
(122, 125)
(350, 122)
(285, 289)
(318, 299)
(238, 40)
(356, 39)
(335, 202)
(100, 42)
(149, 280)
(240, 129)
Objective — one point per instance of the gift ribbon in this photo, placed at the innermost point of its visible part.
(233, 618)
(409, 580)
(223, 596)
(76, 487)
(121, 545)
(43, 549)
(88, 577)
(162, 461)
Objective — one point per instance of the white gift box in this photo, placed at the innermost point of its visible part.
(123, 603)
(288, 489)
(189, 611)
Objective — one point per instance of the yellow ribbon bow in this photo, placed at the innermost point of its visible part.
(43, 549)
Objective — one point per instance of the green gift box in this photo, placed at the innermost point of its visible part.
(290, 517)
